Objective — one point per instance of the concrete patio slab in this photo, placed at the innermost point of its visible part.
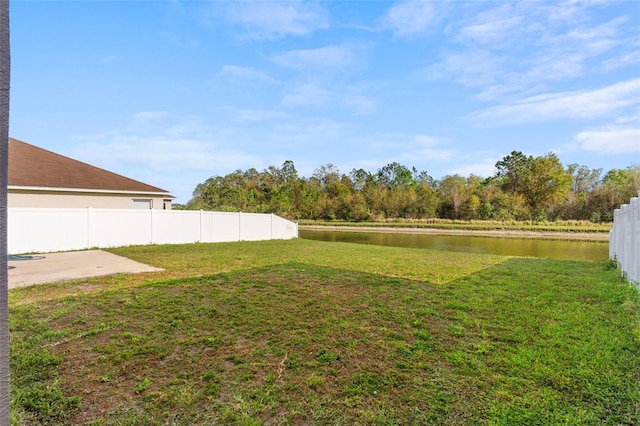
(53, 267)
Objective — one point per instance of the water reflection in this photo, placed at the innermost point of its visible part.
(554, 249)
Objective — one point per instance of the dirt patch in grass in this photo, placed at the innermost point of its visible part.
(197, 260)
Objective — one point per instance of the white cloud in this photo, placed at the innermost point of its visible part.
(606, 30)
(428, 148)
(429, 155)
(163, 161)
(566, 54)
(493, 26)
(234, 72)
(323, 57)
(176, 153)
(159, 153)
(309, 134)
(568, 11)
(585, 104)
(410, 17)
(427, 141)
(490, 32)
(312, 95)
(362, 104)
(154, 123)
(484, 168)
(407, 149)
(623, 60)
(254, 115)
(610, 141)
(514, 48)
(632, 117)
(159, 141)
(151, 116)
(471, 68)
(500, 92)
(167, 150)
(276, 19)
(307, 95)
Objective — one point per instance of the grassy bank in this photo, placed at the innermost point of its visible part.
(305, 332)
(475, 225)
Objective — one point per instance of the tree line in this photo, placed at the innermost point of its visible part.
(523, 187)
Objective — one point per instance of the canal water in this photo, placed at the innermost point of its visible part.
(554, 249)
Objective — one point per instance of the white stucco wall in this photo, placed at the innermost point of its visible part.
(74, 200)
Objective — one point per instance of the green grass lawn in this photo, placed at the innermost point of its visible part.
(306, 332)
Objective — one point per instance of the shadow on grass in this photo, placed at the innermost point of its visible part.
(527, 341)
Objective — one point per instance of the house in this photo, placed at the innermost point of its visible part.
(41, 178)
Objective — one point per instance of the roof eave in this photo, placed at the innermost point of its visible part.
(87, 190)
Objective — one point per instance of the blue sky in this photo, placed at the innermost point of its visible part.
(173, 92)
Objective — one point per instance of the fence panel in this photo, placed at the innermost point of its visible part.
(624, 241)
(282, 228)
(35, 230)
(171, 228)
(115, 228)
(255, 227)
(226, 227)
(47, 230)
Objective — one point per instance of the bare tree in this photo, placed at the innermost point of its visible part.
(5, 65)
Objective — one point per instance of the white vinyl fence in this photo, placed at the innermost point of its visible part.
(624, 241)
(33, 230)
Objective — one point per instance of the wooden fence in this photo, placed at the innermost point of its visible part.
(624, 242)
(39, 230)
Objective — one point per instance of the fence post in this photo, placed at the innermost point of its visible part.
(239, 226)
(637, 240)
(624, 242)
(616, 235)
(627, 239)
(612, 242)
(633, 237)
